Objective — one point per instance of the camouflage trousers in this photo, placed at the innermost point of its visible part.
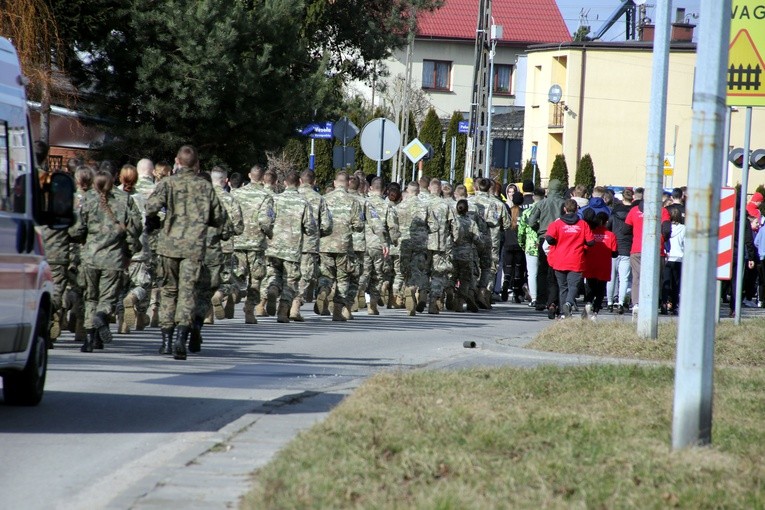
(415, 267)
(487, 266)
(336, 268)
(463, 273)
(358, 270)
(374, 269)
(102, 288)
(178, 301)
(309, 273)
(228, 278)
(59, 272)
(285, 276)
(397, 275)
(252, 270)
(441, 273)
(209, 281)
(137, 280)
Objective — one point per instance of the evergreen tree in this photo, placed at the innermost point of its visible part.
(585, 172)
(432, 133)
(461, 142)
(324, 172)
(560, 171)
(528, 174)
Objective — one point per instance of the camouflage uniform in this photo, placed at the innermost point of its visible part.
(357, 256)
(111, 234)
(249, 248)
(134, 300)
(309, 260)
(467, 236)
(293, 222)
(381, 231)
(416, 222)
(56, 245)
(191, 206)
(144, 186)
(335, 249)
(440, 247)
(494, 213)
(228, 283)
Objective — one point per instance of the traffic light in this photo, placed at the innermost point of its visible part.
(736, 157)
(757, 159)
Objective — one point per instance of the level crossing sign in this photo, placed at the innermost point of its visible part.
(746, 66)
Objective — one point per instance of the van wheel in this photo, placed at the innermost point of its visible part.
(26, 388)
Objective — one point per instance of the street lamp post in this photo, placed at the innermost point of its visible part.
(496, 33)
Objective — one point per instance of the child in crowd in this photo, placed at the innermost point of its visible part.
(568, 236)
(597, 264)
(672, 269)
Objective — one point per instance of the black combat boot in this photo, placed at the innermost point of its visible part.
(101, 323)
(90, 338)
(195, 338)
(167, 341)
(181, 338)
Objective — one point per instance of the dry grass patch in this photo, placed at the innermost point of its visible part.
(742, 345)
(584, 437)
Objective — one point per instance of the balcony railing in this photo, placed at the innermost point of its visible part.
(556, 116)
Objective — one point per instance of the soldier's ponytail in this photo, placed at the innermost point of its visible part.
(102, 185)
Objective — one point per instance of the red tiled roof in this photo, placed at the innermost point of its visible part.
(523, 21)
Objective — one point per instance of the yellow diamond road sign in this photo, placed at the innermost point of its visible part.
(669, 164)
(415, 151)
(746, 67)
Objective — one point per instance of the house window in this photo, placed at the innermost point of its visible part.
(503, 74)
(436, 74)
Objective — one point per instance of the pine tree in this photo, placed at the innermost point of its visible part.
(324, 171)
(585, 172)
(560, 171)
(528, 174)
(431, 132)
(461, 142)
(296, 152)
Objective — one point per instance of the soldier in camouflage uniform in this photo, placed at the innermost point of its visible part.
(56, 245)
(145, 184)
(355, 292)
(381, 234)
(269, 182)
(294, 223)
(335, 250)
(250, 247)
(309, 260)
(227, 288)
(109, 224)
(440, 247)
(494, 213)
(393, 293)
(416, 222)
(466, 235)
(191, 206)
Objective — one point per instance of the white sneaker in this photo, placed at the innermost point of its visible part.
(593, 316)
(587, 311)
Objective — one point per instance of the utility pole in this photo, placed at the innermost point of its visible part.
(692, 410)
(650, 262)
(477, 133)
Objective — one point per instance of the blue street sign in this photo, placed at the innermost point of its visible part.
(319, 131)
(463, 127)
(533, 154)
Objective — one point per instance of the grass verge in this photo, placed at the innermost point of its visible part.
(742, 345)
(582, 437)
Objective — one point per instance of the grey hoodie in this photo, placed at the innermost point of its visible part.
(549, 209)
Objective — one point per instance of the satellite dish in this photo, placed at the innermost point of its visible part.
(555, 94)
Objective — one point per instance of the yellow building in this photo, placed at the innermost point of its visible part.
(604, 107)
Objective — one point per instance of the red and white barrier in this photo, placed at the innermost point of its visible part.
(725, 243)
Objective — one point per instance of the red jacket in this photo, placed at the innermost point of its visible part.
(568, 239)
(597, 259)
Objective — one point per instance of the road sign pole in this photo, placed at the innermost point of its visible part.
(650, 262)
(692, 409)
(312, 157)
(742, 215)
(726, 172)
(382, 149)
(453, 159)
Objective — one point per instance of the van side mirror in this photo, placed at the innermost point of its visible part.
(60, 201)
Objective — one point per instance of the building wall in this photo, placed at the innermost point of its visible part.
(609, 120)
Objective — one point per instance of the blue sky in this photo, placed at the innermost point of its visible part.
(598, 12)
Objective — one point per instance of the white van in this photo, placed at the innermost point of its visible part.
(25, 279)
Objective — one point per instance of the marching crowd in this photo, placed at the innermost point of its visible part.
(176, 248)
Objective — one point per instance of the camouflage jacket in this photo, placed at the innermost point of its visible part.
(293, 221)
(258, 214)
(441, 239)
(56, 245)
(145, 187)
(395, 248)
(320, 215)
(360, 238)
(415, 222)
(382, 223)
(493, 212)
(144, 254)
(235, 225)
(110, 233)
(346, 218)
(191, 206)
(466, 236)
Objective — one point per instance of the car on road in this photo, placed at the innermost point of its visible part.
(26, 286)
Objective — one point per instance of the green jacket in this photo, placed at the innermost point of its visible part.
(527, 236)
(293, 220)
(258, 214)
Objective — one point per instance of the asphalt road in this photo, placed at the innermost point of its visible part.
(117, 426)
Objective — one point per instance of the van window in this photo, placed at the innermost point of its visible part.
(6, 184)
(18, 166)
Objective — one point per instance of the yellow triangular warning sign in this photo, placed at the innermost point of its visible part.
(746, 69)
